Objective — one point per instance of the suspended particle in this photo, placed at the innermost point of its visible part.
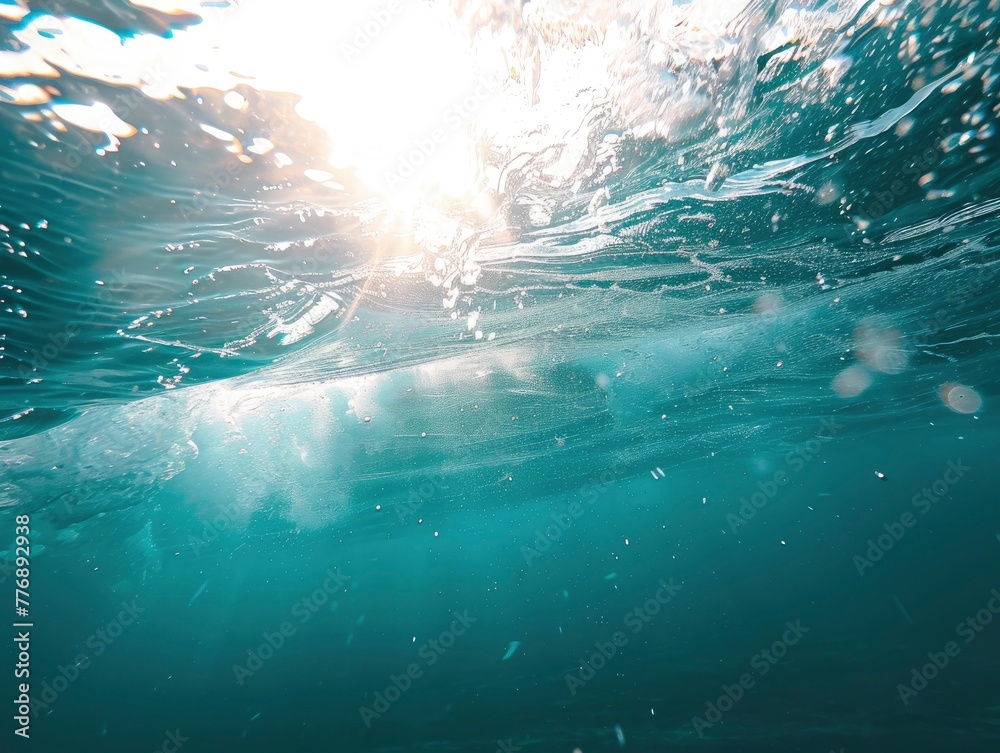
(960, 398)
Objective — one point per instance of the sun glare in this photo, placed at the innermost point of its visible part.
(393, 84)
(394, 87)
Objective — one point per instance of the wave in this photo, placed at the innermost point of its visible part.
(546, 234)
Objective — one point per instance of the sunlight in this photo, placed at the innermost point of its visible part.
(390, 81)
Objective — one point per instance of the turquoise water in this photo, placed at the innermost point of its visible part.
(635, 392)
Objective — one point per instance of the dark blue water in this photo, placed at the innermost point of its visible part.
(481, 376)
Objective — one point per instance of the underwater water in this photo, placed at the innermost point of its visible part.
(468, 375)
